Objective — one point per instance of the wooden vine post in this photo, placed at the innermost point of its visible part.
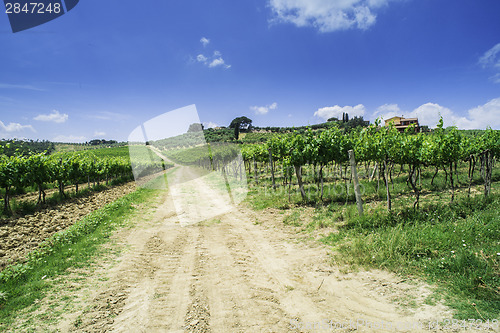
(357, 190)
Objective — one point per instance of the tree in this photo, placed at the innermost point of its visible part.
(240, 123)
(196, 127)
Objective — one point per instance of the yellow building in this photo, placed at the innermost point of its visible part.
(401, 123)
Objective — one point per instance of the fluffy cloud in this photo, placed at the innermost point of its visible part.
(9, 131)
(218, 62)
(491, 60)
(327, 15)
(214, 61)
(69, 139)
(428, 114)
(264, 109)
(210, 125)
(201, 58)
(99, 134)
(485, 115)
(337, 111)
(205, 41)
(387, 111)
(55, 117)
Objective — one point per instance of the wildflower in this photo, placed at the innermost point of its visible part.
(452, 251)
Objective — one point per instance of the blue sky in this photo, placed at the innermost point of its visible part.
(106, 67)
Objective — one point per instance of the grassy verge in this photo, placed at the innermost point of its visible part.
(78, 246)
(455, 247)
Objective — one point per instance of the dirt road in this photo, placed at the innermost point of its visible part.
(241, 271)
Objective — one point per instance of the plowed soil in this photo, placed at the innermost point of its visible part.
(18, 236)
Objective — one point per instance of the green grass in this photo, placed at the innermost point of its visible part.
(454, 246)
(110, 152)
(78, 246)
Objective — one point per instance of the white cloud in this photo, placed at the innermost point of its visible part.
(216, 62)
(428, 114)
(55, 117)
(485, 115)
(210, 125)
(388, 108)
(7, 131)
(205, 41)
(264, 109)
(491, 57)
(99, 134)
(69, 139)
(201, 58)
(213, 61)
(337, 111)
(327, 15)
(386, 111)
(491, 60)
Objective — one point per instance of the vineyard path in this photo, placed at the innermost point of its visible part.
(240, 271)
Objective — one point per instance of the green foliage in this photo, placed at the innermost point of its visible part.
(25, 147)
(384, 145)
(209, 155)
(38, 170)
(241, 123)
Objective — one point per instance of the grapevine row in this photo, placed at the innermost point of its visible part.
(63, 169)
(385, 146)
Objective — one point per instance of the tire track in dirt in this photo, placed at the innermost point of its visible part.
(242, 300)
(197, 318)
(134, 283)
(309, 289)
(232, 275)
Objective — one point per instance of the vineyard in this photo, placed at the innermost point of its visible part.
(40, 171)
(383, 151)
(431, 214)
(310, 158)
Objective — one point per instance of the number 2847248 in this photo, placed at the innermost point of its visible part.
(32, 8)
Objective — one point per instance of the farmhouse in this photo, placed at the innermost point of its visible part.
(401, 123)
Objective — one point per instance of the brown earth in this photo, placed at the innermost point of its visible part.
(242, 271)
(19, 236)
